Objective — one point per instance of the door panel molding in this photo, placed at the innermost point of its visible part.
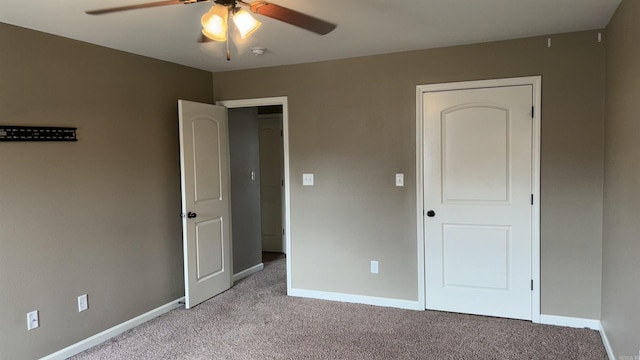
(535, 82)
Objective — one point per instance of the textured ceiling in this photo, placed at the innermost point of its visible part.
(365, 27)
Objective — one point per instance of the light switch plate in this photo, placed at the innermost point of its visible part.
(33, 320)
(307, 179)
(399, 179)
(374, 266)
(83, 303)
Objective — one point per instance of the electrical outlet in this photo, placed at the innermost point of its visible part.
(32, 320)
(374, 267)
(399, 179)
(83, 303)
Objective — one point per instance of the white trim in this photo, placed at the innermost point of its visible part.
(536, 83)
(420, 199)
(571, 322)
(246, 272)
(114, 331)
(281, 100)
(243, 103)
(480, 84)
(607, 344)
(183, 202)
(580, 323)
(357, 299)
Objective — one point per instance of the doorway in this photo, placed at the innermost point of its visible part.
(478, 188)
(259, 172)
(271, 178)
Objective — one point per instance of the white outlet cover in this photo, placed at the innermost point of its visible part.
(307, 179)
(399, 179)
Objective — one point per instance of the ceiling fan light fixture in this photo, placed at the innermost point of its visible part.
(245, 23)
(214, 23)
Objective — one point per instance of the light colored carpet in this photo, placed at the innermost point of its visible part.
(256, 320)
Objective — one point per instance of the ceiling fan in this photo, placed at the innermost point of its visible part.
(215, 24)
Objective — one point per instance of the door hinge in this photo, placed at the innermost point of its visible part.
(531, 199)
(283, 232)
(282, 182)
(531, 284)
(533, 112)
(281, 133)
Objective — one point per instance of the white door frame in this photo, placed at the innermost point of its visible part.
(280, 100)
(535, 82)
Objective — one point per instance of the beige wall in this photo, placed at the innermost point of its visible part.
(352, 123)
(100, 216)
(621, 243)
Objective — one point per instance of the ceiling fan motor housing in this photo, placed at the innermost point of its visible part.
(228, 3)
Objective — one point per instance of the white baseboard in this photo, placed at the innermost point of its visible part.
(358, 299)
(580, 323)
(114, 331)
(607, 344)
(246, 272)
(570, 322)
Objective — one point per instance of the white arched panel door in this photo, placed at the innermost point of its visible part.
(206, 222)
(478, 200)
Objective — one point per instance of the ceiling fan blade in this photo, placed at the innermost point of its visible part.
(137, 6)
(292, 17)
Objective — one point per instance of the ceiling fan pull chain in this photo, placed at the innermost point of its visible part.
(227, 32)
(228, 53)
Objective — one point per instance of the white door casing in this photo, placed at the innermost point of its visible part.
(480, 163)
(206, 222)
(283, 101)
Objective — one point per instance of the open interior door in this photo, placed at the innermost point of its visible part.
(206, 223)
